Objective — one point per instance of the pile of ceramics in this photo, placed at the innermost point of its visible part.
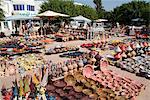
(64, 80)
(59, 70)
(72, 54)
(121, 86)
(134, 58)
(19, 45)
(138, 65)
(6, 67)
(28, 62)
(103, 85)
(132, 50)
(61, 49)
(93, 45)
(64, 37)
(90, 87)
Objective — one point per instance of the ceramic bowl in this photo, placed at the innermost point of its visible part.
(88, 71)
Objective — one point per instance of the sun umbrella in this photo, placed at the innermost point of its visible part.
(81, 18)
(51, 14)
(101, 20)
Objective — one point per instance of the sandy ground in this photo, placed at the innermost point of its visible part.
(144, 95)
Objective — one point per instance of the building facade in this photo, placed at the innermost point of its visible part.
(18, 7)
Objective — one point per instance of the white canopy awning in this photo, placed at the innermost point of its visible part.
(52, 14)
(101, 20)
(20, 17)
(81, 18)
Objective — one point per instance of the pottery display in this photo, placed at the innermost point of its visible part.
(60, 49)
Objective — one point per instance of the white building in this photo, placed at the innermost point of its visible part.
(18, 7)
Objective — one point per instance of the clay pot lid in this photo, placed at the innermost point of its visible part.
(118, 49)
(50, 87)
(93, 96)
(85, 98)
(123, 47)
(124, 54)
(148, 49)
(133, 46)
(78, 95)
(88, 71)
(145, 44)
(58, 90)
(117, 56)
(129, 48)
(68, 88)
(137, 45)
(59, 83)
(141, 44)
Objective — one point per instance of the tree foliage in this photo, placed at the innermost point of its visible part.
(99, 8)
(1, 13)
(128, 11)
(68, 7)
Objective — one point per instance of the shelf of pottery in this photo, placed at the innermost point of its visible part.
(20, 65)
(134, 58)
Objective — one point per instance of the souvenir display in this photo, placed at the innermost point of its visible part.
(39, 69)
(60, 49)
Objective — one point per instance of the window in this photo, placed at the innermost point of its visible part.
(5, 24)
(30, 8)
(18, 7)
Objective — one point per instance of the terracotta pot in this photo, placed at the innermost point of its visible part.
(117, 56)
(87, 91)
(70, 80)
(78, 88)
(70, 67)
(59, 83)
(75, 70)
(93, 96)
(129, 54)
(75, 65)
(78, 95)
(133, 53)
(65, 68)
(71, 71)
(50, 87)
(80, 63)
(66, 73)
(87, 84)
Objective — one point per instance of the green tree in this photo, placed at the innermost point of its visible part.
(128, 11)
(1, 12)
(99, 8)
(68, 7)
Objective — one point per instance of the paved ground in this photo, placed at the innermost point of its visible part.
(144, 95)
